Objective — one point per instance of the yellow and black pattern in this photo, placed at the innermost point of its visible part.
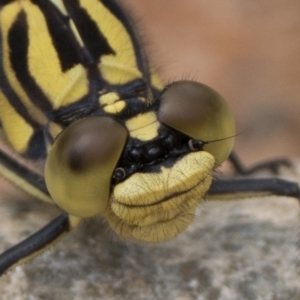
(63, 60)
(76, 93)
(77, 90)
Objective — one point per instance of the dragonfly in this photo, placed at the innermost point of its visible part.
(87, 125)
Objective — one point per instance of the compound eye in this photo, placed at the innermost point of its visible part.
(201, 113)
(81, 162)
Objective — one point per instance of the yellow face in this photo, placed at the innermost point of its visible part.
(155, 207)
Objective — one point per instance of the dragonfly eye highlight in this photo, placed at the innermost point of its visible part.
(201, 113)
(81, 163)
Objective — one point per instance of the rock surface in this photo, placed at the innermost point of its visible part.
(246, 249)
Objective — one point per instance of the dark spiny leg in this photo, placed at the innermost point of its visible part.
(237, 188)
(271, 165)
(35, 243)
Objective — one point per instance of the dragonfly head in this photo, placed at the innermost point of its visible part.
(148, 174)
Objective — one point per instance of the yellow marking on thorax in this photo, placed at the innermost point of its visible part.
(62, 88)
(111, 103)
(155, 80)
(7, 17)
(121, 67)
(18, 131)
(54, 129)
(109, 98)
(115, 108)
(143, 126)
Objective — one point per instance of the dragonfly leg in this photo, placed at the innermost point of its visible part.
(273, 165)
(253, 187)
(37, 242)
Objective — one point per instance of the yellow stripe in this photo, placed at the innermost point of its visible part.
(54, 129)
(7, 17)
(24, 185)
(61, 88)
(122, 67)
(18, 131)
(109, 98)
(115, 108)
(155, 80)
(60, 5)
(111, 103)
(143, 126)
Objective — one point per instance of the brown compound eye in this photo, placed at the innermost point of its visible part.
(81, 162)
(201, 113)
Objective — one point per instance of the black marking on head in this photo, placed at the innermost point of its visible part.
(149, 156)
